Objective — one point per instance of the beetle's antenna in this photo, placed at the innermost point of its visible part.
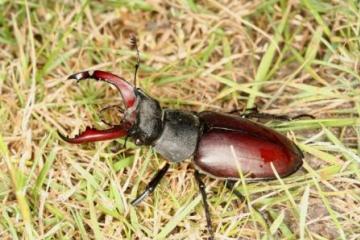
(133, 42)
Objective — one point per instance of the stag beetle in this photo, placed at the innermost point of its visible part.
(219, 143)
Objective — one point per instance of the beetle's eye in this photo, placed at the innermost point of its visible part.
(112, 115)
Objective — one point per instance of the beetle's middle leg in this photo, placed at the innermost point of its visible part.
(152, 185)
(231, 186)
(254, 113)
(206, 205)
(275, 117)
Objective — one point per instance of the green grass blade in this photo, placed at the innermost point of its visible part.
(313, 46)
(18, 180)
(310, 4)
(277, 222)
(303, 207)
(178, 217)
(330, 210)
(267, 59)
(44, 171)
(94, 224)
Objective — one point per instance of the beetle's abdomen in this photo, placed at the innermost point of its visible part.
(230, 144)
(179, 137)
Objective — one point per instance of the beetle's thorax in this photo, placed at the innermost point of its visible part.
(179, 137)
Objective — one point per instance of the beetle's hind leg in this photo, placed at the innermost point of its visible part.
(206, 205)
(151, 185)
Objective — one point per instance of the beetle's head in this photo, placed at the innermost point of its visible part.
(142, 118)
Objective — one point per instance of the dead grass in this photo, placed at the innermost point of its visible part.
(287, 57)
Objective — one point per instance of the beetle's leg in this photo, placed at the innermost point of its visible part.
(231, 186)
(275, 117)
(247, 110)
(254, 113)
(151, 185)
(266, 116)
(206, 205)
(108, 107)
(303, 116)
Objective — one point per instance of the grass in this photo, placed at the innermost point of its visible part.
(287, 57)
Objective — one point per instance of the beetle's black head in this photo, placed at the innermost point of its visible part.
(148, 124)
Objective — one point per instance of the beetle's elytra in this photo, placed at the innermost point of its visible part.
(220, 144)
(244, 143)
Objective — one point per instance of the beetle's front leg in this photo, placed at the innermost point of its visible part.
(206, 205)
(152, 185)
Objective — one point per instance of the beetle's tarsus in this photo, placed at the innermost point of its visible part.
(63, 137)
(206, 205)
(151, 185)
(266, 116)
(140, 198)
(303, 116)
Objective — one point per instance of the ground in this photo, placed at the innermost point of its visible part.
(285, 57)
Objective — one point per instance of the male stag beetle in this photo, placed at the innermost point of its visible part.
(219, 143)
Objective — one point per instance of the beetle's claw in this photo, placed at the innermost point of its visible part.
(76, 138)
(126, 89)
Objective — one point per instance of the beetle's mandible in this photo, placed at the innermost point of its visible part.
(220, 144)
